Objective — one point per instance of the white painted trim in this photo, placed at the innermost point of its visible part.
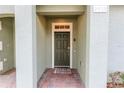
(62, 30)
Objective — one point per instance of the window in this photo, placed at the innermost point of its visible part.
(62, 27)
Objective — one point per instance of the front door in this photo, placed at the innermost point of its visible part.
(62, 49)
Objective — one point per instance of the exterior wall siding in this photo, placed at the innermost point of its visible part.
(116, 39)
(7, 37)
(41, 46)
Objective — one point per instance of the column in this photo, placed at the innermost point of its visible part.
(97, 46)
(25, 37)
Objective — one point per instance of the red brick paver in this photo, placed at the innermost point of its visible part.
(60, 80)
(8, 79)
(49, 79)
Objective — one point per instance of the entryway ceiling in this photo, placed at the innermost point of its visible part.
(6, 15)
(60, 9)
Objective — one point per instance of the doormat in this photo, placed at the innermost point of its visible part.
(62, 71)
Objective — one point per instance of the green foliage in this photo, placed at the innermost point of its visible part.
(122, 76)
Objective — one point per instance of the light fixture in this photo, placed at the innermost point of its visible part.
(0, 25)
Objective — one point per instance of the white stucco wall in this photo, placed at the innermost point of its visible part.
(7, 9)
(116, 39)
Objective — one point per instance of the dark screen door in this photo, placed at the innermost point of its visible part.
(62, 49)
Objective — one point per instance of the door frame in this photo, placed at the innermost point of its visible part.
(62, 30)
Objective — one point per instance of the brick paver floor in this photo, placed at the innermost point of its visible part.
(60, 78)
(8, 79)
